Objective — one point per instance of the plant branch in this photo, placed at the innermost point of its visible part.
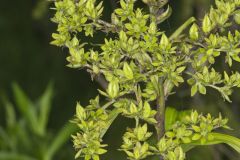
(108, 27)
(101, 81)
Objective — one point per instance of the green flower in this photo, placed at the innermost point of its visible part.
(202, 132)
(180, 134)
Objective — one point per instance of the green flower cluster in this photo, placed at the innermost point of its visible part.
(139, 66)
(192, 129)
(134, 143)
(92, 122)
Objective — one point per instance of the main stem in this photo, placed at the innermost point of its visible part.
(160, 117)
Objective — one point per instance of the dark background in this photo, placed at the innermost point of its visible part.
(26, 57)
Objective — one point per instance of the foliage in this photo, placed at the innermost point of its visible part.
(142, 66)
(27, 137)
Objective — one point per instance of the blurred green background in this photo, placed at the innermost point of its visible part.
(27, 59)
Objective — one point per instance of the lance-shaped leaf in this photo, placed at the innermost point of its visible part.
(218, 138)
(44, 108)
(11, 156)
(60, 139)
(26, 108)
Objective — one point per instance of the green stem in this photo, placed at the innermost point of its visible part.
(105, 106)
(182, 28)
(160, 117)
(137, 121)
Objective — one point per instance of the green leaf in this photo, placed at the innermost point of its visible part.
(127, 71)
(133, 108)
(182, 114)
(193, 32)
(171, 115)
(4, 136)
(10, 113)
(95, 157)
(237, 17)
(60, 139)
(78, 154)
(170, 134)
(233, 142)
(26, 108)
(103, 93)
(196, 128)
(112, 116)
(146, 110)
(123, 4)
(226, 77)
(44, 108)
(113, 89)
(206, 24)
(152, 28)
(181, 69)
(196, 136)
(202, 89)
(218, 138)
(194, 89)
(80, 112)
(14, 156)
(164, 42)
